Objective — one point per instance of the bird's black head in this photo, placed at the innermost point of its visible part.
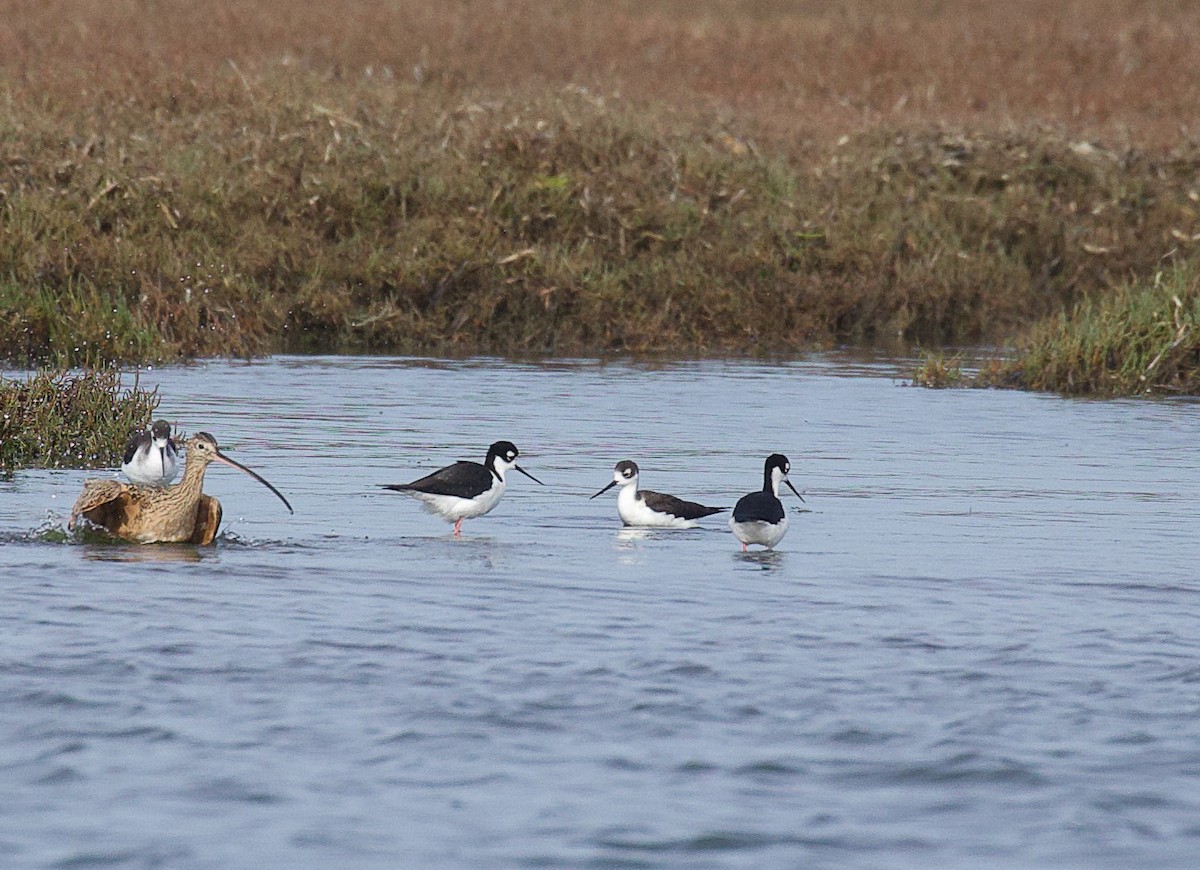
(775, 471)
(627, 469)
(503, 455)
(506, 450)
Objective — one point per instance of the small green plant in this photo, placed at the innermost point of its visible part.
(69, 419)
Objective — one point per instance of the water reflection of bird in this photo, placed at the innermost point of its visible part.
(162, 514)
(758, 518)
(649, 508)
(465, 490)
(151, 458)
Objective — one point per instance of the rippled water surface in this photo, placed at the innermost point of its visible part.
(976, 647)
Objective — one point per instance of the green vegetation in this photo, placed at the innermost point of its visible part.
(937, 371)
(656, 177)
(69, 420)
(1144, 339)
(566, 224)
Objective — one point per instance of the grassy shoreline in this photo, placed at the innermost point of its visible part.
(560, 223)
(713, 178)
(1142, 340)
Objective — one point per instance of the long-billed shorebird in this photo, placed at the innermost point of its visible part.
(759, 518)
(465, 490)
(151, 458)
(648, 508)
(162, 514)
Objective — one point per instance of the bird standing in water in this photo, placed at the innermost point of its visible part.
(465, 490)
(759, 518)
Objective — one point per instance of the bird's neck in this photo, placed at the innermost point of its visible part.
(193, 477)
(628, 494)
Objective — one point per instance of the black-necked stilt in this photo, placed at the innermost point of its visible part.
(758, 518)
(465, 490)
(151, 458)
(648, 508)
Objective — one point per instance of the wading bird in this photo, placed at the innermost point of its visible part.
(162, 514)
(758, 518)
(649, 508)
(465, 490)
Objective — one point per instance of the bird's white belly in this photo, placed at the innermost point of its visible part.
(454, 508)
(635, 512)
(149, 469)
(759, 532)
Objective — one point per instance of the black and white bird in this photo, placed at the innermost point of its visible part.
(758, 518)
(655, 509)
(465, 490)
(151, 458)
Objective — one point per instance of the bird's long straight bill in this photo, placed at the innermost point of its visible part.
(221, 457)
(606, 489)
(785, 480)
(520, 469)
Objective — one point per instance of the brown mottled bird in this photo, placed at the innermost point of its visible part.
(162, 514)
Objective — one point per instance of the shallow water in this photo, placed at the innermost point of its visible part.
(977, 646)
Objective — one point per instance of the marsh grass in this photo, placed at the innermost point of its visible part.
(796, 70)
(938, 371)
(1142, 340)
(69, 419)
(565, 223)
(229, 178)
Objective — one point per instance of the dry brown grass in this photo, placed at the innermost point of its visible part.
(1124, 71)
(194, 177)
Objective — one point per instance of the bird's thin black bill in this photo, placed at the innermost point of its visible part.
(527, 474)
(793, 489)
(606, 489)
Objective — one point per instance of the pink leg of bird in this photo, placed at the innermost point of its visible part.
(744, 547)
(458, 528)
